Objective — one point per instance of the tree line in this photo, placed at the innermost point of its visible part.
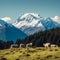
(5, 45)
(52, 36)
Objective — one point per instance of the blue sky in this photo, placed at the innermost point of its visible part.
(15, 8)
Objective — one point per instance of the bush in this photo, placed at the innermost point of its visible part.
(17, 59)
(56, 49)
(11, 51)
(3, 59)
(27, 54)
(48, 56)
(38, 58)
(24, 53)
(6, 53)
(56, 57)
(51, 50)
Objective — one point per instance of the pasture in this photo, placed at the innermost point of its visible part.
(38, 53)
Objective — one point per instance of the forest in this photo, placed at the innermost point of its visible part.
(52, 36)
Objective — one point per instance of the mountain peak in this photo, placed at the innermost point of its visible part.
(30, 15)
(31, 23)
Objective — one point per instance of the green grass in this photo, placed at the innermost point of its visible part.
(38, 53)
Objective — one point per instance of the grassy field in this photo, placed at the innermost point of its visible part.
(38, 53)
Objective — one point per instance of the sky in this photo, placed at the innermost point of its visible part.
(15, 8)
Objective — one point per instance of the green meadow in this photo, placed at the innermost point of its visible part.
(38, 53)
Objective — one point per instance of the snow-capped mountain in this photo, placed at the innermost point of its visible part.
(10, 32)
(48, 23)
(31, 23)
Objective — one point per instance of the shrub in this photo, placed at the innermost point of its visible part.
(11, 51)
(56, 49)
(3, 59)
(27, 54)
(17, 59)
(51, 50)
(24, 53)
(6, 53)
(56, 57)
(38, 58)
(48, 56)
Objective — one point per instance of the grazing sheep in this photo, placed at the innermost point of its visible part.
(46, 45)
(53, 45)
(22, 45)
(28, 45)
(14, 46)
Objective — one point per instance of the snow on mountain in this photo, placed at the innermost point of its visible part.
(56, 19)
(28, 19)
(31, 23)
(5, 19)
(48, 23)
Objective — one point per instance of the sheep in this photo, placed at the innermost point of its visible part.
(53, 45)
(14, 46)
(28, 45)
(46, 45)
(22, 45)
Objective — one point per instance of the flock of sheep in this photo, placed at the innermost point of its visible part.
(21, 45)
(46, 45)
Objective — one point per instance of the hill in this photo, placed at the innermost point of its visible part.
(9, 32)
(31, 54)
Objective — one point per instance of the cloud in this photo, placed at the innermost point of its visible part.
(6, 19)
(57, 19)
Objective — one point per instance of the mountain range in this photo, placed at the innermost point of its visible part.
(31, 23)
(26, 25)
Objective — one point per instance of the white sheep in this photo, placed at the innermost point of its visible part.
(46, 45)
(14, 46)
(22, 45)
(53, 45)
(28, 45)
